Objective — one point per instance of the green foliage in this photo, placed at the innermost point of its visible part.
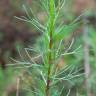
(47, 77)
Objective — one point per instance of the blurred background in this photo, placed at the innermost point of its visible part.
(16, 35)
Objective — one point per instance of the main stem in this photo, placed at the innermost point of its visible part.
(49, 68)
(51, 29)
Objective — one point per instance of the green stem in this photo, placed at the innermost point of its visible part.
(51, 29)
(49, 68)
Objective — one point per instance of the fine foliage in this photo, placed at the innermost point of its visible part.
(47, 78)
